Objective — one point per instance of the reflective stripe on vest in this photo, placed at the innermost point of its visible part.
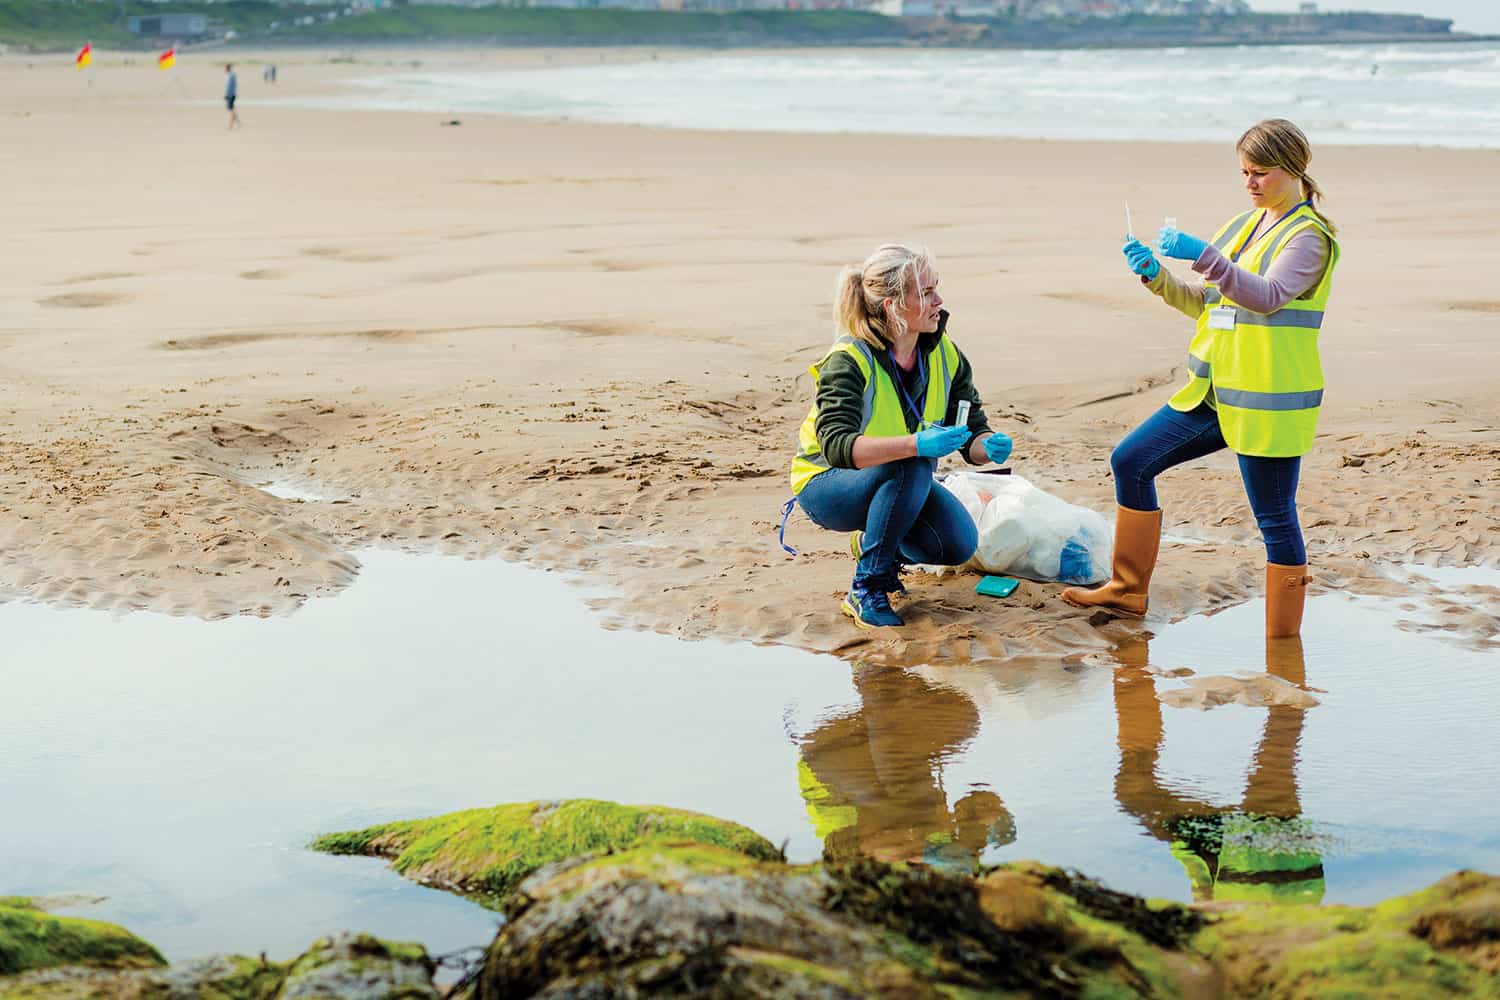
(1230, 230)
(883, 415)
(1265, 375)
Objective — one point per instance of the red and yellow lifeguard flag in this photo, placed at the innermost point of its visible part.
(85, 55)
(167, 59)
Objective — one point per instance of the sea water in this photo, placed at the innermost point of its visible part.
(1438, 94)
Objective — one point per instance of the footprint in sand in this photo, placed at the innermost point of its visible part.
(345, 255)
(86, 300)
(212, 341)
(617, 265)
(97, 276)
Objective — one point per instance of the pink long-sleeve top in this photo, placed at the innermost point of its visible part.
(1296, 269)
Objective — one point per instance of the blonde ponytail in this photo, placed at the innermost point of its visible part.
(1314, 194)
(859, 297)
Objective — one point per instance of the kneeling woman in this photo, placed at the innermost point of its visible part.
(888, 393)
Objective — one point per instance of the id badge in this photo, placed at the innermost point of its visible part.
(1221, 318)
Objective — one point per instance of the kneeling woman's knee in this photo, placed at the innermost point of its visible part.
(965, 542)
(956, 542)
(914, 466)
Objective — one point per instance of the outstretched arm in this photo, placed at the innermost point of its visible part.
(1296, 269)
(1184, 296)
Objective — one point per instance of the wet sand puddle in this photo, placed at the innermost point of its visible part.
(288, 490)
(1459, 577)
(179, 767)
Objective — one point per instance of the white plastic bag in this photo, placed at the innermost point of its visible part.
(1028, 532)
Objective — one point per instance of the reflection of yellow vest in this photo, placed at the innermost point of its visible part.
(827, 814)
(1287, 872)
(883, 416)
(1266, 376)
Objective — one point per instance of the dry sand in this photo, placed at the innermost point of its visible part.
(585, 346)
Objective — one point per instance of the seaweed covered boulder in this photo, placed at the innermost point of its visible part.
(360, 966)
(484, 853)
(31, 938)
(343, 967)
(698, 921)
(1443, 941)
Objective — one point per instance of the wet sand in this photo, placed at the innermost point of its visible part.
(584, 346)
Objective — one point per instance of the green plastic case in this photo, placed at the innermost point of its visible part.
(996, 586)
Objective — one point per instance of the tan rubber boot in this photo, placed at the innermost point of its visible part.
(1137, 541)
(1286, 590)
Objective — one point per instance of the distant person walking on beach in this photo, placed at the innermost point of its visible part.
(889, 393)
(1255, 381)
(231, 91)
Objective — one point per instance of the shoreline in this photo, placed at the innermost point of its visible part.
(759, 105)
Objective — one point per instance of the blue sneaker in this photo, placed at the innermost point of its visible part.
(870, 607)
(892, 583)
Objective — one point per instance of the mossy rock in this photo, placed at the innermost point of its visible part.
(358, 965)
(32, 939)
(703, 921)
(484, 853)
(1443, 941)
(223, 977)
(345, 967)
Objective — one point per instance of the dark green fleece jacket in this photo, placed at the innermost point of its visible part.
(841, 390)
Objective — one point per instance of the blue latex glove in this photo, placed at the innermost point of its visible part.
(1141, 260)
(997, 447)
(1178, 244)
(935, 442)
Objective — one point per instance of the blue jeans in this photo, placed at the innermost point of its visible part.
(904, 514)
(1169, 438)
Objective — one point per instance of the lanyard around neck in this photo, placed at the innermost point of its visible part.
(900, 380)
(1235, 257)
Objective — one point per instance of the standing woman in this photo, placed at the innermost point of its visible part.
(1255, 382)
(887, 394)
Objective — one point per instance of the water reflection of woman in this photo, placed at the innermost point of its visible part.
(1257, 850)
(872, 776)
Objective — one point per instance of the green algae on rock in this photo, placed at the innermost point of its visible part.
(33, 939)
(701, 921)
(484, 853)
(344, 967)
(1443, 941)
(661, 921)
(692, 919)
(358, 965)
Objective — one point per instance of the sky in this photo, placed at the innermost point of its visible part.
(1478, 16)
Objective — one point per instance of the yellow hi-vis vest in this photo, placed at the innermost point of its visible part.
(883, 416)
(1266, 376)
